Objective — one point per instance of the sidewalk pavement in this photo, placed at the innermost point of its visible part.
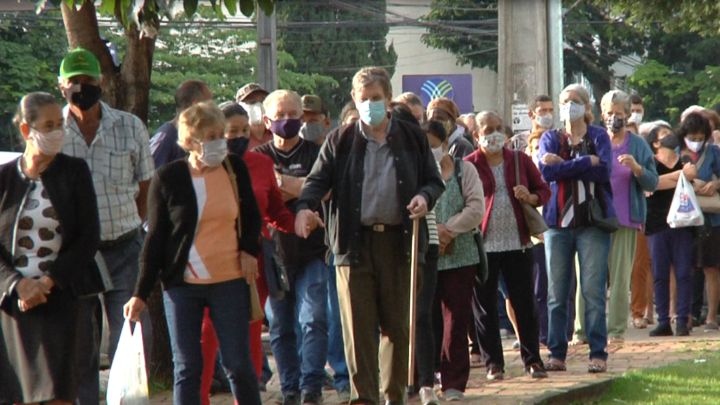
(639, 351)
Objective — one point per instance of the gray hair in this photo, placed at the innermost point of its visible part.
(616, 97)
(277, 95)
(483, 117)
(31, 106)
(579, 90)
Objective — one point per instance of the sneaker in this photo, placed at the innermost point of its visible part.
(683, 330)
(507, 334)
(516, 345)
(537, 371)
(312, 398)
(344, 394)
(662, 330)
(712, 327)
(291, 398)
(328, 382)
(428, 397)
(454, 395)
(438, 382)
(495, 373)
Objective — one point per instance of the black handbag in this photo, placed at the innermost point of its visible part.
(598, 218)
(275, 274)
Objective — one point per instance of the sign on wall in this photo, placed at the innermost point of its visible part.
(429, 87)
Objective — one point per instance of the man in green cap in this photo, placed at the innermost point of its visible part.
(316, 119)
(115, 146)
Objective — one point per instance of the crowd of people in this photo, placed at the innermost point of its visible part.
(255, 205)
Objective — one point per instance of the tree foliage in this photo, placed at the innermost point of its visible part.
(339, 49)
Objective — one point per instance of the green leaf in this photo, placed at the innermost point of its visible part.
(231, 6)
(107, 8)
(190, 7)
(247, 7)
(267, 6)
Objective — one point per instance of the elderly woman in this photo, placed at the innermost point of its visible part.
(202, 243)
(50, 232)
(577, 161)
(508, 245)
(695, 139)
(633, 174)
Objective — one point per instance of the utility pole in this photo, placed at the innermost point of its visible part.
(267, 51)
(529, 56)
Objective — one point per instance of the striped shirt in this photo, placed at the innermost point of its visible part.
(119, 157)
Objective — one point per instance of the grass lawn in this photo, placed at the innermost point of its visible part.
(687, 382)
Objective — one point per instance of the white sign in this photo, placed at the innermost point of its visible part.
(520, 119)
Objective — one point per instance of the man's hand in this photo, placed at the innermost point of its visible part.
(133, 309)
(551, 159)
(31, 293)
(418, 207)
(303, 223)
(446, 237)
(249, 267)
(316, 222)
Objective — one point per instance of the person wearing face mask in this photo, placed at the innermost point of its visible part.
(316, 120)
(637, 112)
(541, 111)
(301, 369)
(633, 174)
(163, 144)
(446, 112)
(50, 227)
(577, 161)
(694, 137)
(507, 243)
(251, 97)
(194, 247)
(383, 176)
(668, 246)
(115, 146)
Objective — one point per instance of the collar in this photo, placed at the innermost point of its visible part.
(107, 115)
(459, 131)
(368, 136)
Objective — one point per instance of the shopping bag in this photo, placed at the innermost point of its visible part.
(684, 210)
(127, 384)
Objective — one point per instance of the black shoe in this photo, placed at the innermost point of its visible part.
(292, 398)
(662, 330)
(682, 330)
(313, 398)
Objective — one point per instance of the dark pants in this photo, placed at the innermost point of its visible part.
(672, 246)
(698, 295)
(541, 294)
(516, 268)
(122, 261)
(229, 304)
(453, 299)
(424, 330)
(375, 292)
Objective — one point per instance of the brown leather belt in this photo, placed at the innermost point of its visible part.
(382, 228)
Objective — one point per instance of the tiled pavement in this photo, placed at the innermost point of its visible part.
(639, 351)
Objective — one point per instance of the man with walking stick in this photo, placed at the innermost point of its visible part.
(382, 176)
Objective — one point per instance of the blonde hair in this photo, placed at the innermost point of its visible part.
(409, 99)
(369, 75)
(616, 97)
(276, 96)
(584, 96)
(197, 118)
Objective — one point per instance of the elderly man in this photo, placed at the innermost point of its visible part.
(446, 112)
(317, 120)
(383, 176)
(163, 144)
(115, 146)
(301, 371)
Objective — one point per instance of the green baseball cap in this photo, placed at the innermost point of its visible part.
(79, 61)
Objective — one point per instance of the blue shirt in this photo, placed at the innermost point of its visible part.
(164, 146)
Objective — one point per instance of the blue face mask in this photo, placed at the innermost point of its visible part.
(372, 112)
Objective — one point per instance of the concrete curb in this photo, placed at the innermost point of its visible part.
(587, 393)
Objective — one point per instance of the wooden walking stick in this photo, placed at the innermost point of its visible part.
(413, 298)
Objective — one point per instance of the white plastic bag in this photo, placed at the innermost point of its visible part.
(127, 384)
(684, 210)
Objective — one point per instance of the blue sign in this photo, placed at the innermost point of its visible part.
(429, 87)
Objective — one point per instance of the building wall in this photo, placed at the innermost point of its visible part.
(414, 58)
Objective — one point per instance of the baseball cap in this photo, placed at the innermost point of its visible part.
(313, 104)
(78, 62)
(247, 90)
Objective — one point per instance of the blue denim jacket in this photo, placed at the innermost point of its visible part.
(710, 166)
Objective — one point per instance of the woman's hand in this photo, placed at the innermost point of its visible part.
(690, 171)
(594, 160)
(551, 159)
(31, 293)
(709, 188)
(134, 308)
(523, 194)
(249, 267)
(629, 161)
(446, 237)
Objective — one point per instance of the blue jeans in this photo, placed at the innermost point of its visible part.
(592, 246)
(672, 246)
(336, 347)
(229, 304)
(306, 304)
(541, 294)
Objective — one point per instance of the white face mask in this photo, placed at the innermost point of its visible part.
(255, 113)
(438, 153)
(49, 144)
(636, 118)
(693, 146)
(545, 121)
(213, 152)
(494, 142)
(572, 111)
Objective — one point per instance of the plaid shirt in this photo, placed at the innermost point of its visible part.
(119, 157)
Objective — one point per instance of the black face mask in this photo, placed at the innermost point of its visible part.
(238, 146)
(670, 142)
(86, 98)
